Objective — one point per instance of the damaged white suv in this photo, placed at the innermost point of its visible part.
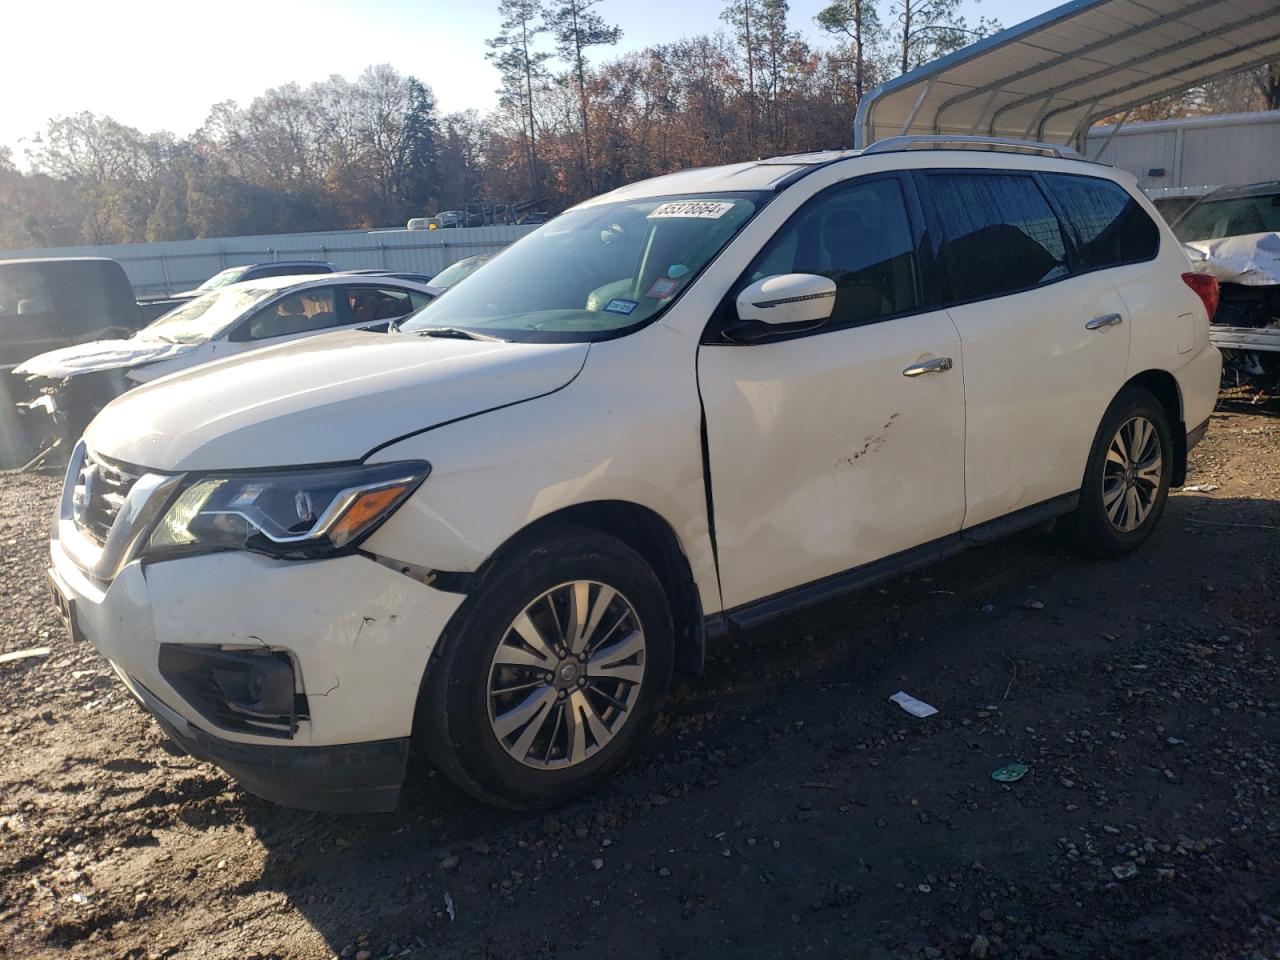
(678, 409)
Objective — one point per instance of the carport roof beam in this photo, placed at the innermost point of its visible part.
(1062, 70)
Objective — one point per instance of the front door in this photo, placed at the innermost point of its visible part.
(838, 446)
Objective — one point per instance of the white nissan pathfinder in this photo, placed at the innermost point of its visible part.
(678, 409)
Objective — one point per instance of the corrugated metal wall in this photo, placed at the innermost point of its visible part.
(182, 264)
(1203, 151)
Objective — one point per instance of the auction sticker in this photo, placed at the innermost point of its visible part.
(620, 306)
(697, 209)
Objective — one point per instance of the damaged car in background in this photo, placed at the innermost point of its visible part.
(1234, 235)
(72, 384)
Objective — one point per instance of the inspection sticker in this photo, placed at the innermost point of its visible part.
(698, 209)
(620, 306)
(662, 288)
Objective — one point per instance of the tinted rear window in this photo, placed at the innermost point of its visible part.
(999, 234)
(1111, 227)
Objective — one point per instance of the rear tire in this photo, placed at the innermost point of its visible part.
(577, 626)
(1126, 482)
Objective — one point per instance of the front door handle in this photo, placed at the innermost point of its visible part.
(1101, 323)
(929, 366)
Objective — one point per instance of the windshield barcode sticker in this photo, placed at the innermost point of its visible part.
(699, 209)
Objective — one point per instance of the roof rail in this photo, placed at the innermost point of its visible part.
(996, 144)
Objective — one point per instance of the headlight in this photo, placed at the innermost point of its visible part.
(303, 513)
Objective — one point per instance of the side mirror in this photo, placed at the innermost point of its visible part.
(782, 304)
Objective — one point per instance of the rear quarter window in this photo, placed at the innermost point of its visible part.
(1111, 228)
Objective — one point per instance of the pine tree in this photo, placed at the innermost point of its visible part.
(512, 52)
(575, 28)
(860, 22)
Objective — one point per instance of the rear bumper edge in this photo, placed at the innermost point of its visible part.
(1196, 434)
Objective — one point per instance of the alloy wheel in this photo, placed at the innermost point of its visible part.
(1131, 474)
(566, 675)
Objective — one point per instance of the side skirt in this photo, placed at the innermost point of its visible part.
(757, 612)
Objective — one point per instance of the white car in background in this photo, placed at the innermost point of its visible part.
(77, 381)
(679, 409)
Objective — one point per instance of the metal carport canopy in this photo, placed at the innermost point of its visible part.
(1051, 77)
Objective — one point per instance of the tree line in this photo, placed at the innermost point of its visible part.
(570, 122)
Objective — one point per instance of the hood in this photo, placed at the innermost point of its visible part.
(321, 400)
(1252, 260)
(100, 355)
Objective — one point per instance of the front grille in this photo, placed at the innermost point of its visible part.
(100, 492)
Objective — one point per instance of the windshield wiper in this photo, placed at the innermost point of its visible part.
(454, 333)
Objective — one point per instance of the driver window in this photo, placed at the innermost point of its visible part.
(375, 304)
(860, 237)
(302, 312)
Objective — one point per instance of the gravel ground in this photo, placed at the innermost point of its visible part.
(784, 807)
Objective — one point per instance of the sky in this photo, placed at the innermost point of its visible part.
(160, 64)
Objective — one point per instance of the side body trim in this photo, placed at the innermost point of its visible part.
(758, 612)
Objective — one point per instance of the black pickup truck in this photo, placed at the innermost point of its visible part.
(46, 304)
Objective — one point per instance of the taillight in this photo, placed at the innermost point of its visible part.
(1206, 288)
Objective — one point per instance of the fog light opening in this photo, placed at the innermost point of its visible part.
(250, 691)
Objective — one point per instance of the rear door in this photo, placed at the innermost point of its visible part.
(1045, 340)
(833, 447)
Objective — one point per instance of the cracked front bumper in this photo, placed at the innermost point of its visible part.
(358, 633)
(346, 778)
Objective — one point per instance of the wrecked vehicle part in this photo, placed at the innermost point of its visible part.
(71, 402)
(1246, 328)
(101, 355)
(1233, 234)
(229, 321)
(1251, 260)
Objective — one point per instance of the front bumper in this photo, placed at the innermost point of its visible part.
(359, 636)
(347, 778)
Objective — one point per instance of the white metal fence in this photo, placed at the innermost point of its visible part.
(1214, 151)
(174, 265)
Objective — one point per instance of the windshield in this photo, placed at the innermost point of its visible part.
(222, 279)
(205, 317)
(1230, 217)
(595, 272)
(457, 271)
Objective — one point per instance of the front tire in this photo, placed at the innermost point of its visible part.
(551, 673)
(1126, 482)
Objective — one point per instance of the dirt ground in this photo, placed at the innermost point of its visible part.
(785, 808)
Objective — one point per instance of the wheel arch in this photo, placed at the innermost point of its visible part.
(1164, 387)
(648, 534)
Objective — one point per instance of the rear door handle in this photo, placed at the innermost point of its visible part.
(1101, 323)
(929, 366)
